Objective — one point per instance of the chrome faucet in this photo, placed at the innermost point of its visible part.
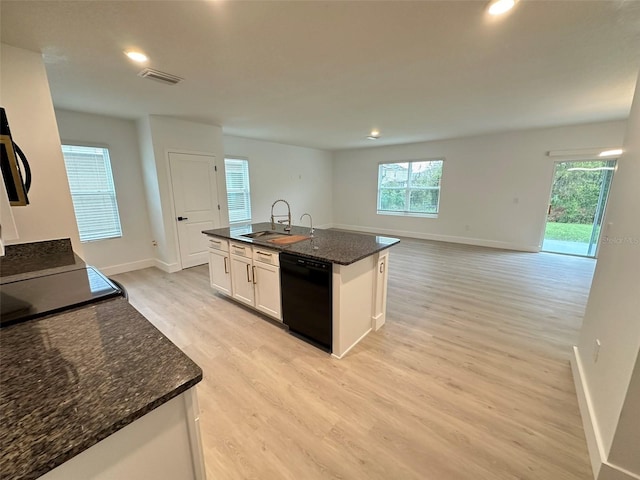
(310, 222)
(288, 215)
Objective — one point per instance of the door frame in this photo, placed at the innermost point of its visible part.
(172, 204)
(577, 158)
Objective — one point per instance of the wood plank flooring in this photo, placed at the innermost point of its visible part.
(469, 378)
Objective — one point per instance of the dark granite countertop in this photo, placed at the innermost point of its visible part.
(36, 259)
(335, 246)
(72, 379)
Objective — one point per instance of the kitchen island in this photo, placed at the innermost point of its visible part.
(92, 392)
(244, 265)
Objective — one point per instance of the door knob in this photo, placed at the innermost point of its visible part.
(180, 219)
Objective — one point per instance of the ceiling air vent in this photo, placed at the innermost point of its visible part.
(159, 76)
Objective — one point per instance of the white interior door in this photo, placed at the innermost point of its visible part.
(195, 197)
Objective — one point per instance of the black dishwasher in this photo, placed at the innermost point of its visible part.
(307, 299)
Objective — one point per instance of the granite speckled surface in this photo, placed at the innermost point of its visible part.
(343, 248)
(70, 380)
(27, 260)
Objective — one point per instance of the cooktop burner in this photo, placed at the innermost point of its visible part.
(35, 297)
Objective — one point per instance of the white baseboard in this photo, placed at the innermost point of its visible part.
(602, 469)
(442, 238)
(128, 267)
(167, 267)
(594, 444)
(324, 226)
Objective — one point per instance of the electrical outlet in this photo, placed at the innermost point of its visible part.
(596, 350)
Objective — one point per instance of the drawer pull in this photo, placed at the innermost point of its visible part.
(265, 254)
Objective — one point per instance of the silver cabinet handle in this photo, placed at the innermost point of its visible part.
(226, 268)
(381, 267)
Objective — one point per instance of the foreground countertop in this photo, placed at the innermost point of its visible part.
(72, 379)
(36, 259)
(343, 248)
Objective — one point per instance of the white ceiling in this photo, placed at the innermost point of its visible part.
(323, 74)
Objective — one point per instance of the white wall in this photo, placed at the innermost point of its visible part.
(159, 135)
(26, 97)
(133, 250)
(625, 449)
(495, 188)
(302, 176)
(613, 310)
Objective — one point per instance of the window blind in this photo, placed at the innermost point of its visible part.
(238, 193)
(93, 192)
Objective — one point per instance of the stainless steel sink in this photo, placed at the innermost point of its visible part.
(265, 235)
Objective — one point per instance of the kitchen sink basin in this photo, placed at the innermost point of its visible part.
(277, 238)
(265, 235)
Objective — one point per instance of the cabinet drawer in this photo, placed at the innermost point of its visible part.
(240, 249)
(219, 244)
(264, 255)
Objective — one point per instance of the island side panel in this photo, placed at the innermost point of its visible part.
(160, 445)
(380, 291)
(353, 289)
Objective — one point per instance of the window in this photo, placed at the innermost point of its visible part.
(238, 194)
(408, 188)
(92, 192)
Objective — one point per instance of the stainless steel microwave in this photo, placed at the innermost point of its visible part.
(10, 157)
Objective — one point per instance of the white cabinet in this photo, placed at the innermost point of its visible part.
(380, 293)
(242, 280)
(220, 272)
(250, 275)
(266, 279)
(219, 266)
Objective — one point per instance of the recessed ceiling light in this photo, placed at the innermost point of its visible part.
(610, 153)
(498, 7)
(136, 56)
(374, 135)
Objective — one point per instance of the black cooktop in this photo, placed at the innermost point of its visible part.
(35, 297)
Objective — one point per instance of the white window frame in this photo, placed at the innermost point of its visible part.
(245, 190)
(89, 229)
(408, 189)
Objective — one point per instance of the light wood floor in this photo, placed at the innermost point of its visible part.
(469, 378)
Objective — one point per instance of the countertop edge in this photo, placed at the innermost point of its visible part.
(283, 248)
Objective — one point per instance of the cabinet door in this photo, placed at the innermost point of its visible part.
(242, 279)
(380, 294)
(219, 272)
(267, 289)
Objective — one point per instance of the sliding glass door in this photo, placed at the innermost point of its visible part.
(577, 205)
